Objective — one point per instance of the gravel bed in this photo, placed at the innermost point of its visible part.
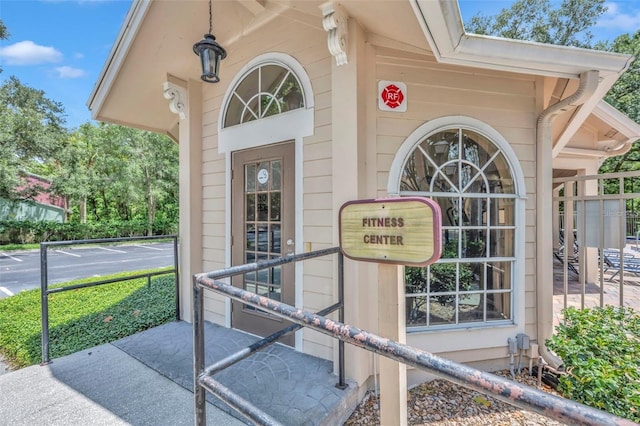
(442, 403)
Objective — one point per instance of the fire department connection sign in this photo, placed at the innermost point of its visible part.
(403, 231)
(392, 96)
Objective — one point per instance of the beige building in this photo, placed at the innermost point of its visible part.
(319, 104)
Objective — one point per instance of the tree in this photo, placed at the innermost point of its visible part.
(537, 20)
(4, 34)
(111, 172)
(31, 129)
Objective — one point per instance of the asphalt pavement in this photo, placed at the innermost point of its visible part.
(21, 270)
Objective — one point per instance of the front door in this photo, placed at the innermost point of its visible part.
(263, 213)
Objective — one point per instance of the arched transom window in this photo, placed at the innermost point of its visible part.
(472, 283)
(267, 90)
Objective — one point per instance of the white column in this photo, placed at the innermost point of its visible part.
(391, 325)
(186, 101)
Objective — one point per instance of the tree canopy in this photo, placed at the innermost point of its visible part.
(568, 24)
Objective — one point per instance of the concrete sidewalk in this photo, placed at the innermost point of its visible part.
(99, 386)
(147, 379)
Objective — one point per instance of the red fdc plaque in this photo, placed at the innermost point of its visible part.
(404, 231)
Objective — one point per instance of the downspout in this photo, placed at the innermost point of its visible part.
(544, 230)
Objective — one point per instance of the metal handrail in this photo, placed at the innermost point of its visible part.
(514, 393)
(203, 377)
(45, 291)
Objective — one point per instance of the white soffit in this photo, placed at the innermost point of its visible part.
(442, 25)
(617, 120)
(116, 57)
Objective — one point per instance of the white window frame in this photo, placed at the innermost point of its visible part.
(289, 125)
(479, 334)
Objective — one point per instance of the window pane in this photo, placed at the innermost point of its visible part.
(471, 308)
(450, 244)
(442, 312)
(263, 174)
(502, 241)
(251, 207)
(263, 238)
(416, 173)
(291, 94)
(474, 243)
(443, 279)
(251, 237)
(474, 211)
(499, 275)
(276, 243)
(502, 211)
(477, 149)
(416, 310)
(275, 206)
(263, 206)
(499, 176)
(250, 177)
(276, 174)
(449, 209)
(498, 306)
(415, 279)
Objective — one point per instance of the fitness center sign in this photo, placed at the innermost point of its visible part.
(404, 231)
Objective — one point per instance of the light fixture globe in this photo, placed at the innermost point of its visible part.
(211, 53)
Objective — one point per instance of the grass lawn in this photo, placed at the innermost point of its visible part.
(83, 318)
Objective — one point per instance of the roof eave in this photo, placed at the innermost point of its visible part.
(442, 25)
(116, 57)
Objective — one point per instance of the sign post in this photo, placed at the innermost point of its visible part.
(392, 232)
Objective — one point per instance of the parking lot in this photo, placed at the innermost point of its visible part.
(21, 270)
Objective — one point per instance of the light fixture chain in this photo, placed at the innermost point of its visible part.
(210, 19)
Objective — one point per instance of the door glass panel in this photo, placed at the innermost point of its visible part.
(263, 238)
(251, 237)
(250, 178)
(251, 206)
(263, 207)
(276, 172)
(263, 175)
(275, 206)
(275, 239)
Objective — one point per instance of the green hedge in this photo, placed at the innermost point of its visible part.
(83, 318)
(28, 232)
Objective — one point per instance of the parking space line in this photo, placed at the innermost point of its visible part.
(6, 291)
(113, 250)
(148, 247)
(11, 257)
(66, 252)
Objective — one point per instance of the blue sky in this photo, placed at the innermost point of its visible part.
(60, 46)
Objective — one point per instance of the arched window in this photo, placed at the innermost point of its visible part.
(269, 89)
(471, 179)
(270, 100)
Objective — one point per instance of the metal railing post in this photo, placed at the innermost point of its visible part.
(198, 354)
(44, 304)
(341, 382)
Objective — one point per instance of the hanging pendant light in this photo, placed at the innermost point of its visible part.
(211, 53)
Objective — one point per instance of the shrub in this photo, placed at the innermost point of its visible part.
(27, 232)
(601, 351)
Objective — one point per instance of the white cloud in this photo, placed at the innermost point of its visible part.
(70, 72)
(28, 53)
(616, 17)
